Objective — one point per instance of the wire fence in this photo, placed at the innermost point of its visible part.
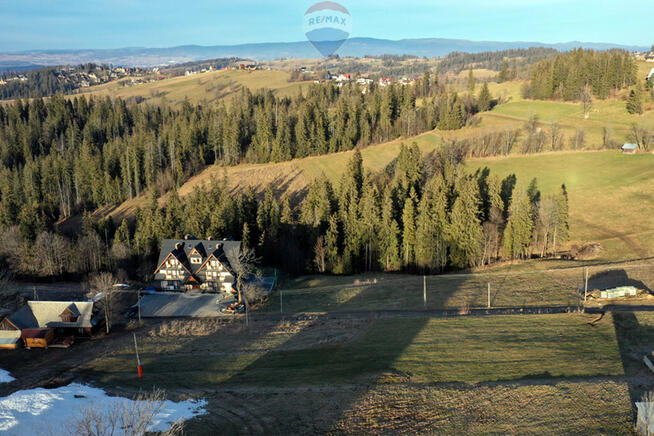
(528, 289)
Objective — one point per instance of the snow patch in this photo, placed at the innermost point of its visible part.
(37, 410)
(5, 377)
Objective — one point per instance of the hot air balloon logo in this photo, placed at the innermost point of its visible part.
(327, 25)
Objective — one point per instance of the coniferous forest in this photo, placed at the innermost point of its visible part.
(59, 156)
(568, 75)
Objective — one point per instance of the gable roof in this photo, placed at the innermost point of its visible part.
(23, 318)
(43, 314)
(226, 252)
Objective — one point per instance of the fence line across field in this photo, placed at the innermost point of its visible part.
(582, 269)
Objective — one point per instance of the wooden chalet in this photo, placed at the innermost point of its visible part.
(200, 265)
(39, 322)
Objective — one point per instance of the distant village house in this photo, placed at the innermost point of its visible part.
(629, 148)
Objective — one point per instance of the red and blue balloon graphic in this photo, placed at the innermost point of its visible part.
(327, 25)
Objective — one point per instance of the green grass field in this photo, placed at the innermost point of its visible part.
(609, 195)
(464, 374)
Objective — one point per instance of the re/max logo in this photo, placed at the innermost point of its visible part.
(327, 19)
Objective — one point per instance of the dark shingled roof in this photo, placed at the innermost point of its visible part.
(226, 252)
(23, 318)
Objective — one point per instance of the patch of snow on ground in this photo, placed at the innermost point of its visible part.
(5, 377)
(27, 411)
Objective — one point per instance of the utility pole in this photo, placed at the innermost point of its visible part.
(138, 360)
(139, 305)
(586, 286)
(424, 290)
(489, 300)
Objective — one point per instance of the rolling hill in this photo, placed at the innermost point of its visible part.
(199, 88)
(595, 179)
(141, 56)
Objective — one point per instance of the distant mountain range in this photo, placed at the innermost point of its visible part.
(147, 57)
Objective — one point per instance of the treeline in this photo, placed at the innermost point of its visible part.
(46, 81)
(60, 156)
(496, 60)
(421, 214)
(568, 75)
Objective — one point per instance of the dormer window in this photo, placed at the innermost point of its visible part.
(70, 314)
(196, 260)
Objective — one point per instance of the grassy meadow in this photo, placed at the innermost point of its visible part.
(529, 374)
(209, 87)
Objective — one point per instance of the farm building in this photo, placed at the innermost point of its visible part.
(192, 264)
(61, 317)
(629, 148)
(37, 338)
(9, 339)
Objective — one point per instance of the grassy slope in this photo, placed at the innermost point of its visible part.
(593, 179)
(201, 88)
(513, 374)
(610, 199)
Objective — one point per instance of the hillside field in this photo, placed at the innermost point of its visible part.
(204, 88)
(525, 374)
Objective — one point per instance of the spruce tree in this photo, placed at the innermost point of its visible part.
(431, 228)
(465, 232)
(484, 101)
(408, 231)
(518, 232)
(635, 101)
(471, 81)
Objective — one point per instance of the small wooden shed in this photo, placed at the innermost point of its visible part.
(629, 148)
(37, 338)
(9, 339)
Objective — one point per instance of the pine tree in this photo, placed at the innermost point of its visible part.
(485, 99)
(431, 228)
(465, 232)
(408, 231)
(471, 81)
(518, 232)
(332, 244)
(389, 231)
(635, 101)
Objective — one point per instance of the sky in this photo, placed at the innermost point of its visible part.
(75, 24)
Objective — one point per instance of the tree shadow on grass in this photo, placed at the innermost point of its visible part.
(347, 370)
(634, 342)
(614, 278)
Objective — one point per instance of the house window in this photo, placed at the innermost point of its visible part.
(196, 260)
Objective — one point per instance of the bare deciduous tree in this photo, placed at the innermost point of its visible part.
(123, 417)
(245, 267)
(587, 100)
(103, 283)
(53, 254)
(645, 419)
(320, 254)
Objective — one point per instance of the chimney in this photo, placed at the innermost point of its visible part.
(178, 246)
(187, 237)
(209, 238)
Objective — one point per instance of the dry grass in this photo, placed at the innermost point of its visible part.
(549, 374)
(204, 88)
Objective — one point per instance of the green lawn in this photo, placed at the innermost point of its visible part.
(610, 199)
(529, 374)
(467, 349)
